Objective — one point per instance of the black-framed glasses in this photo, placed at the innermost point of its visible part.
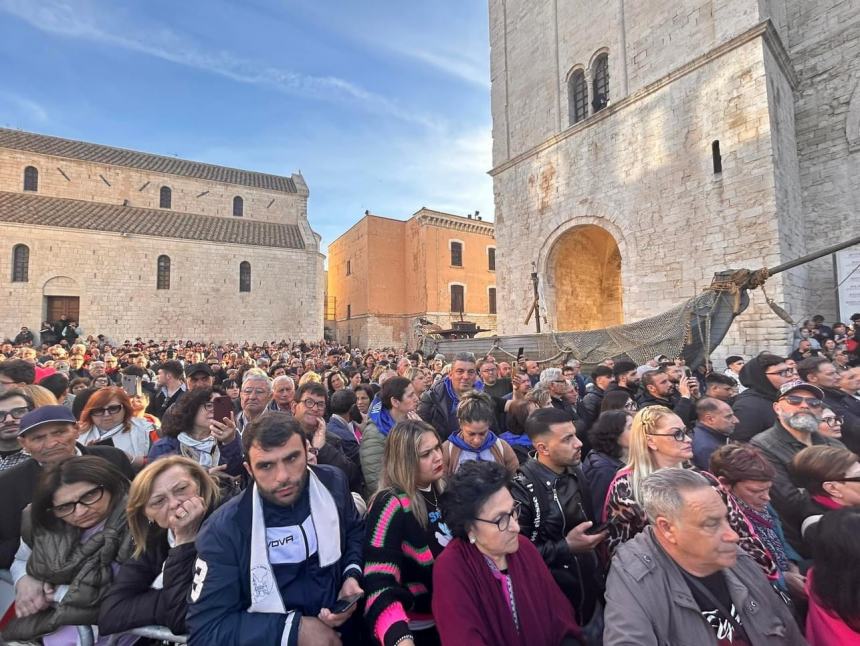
(787, 372)
(113, 409)
(678, 434)
(208, 407)
(830, 421)
(89, 498)
(846, 479)
(797, 400)
(312, 403)
(16, 413)
(504, 520)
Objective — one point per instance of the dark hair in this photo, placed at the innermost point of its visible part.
(615, 400)
(312, 387)
(133, 371)
(173, 367)
(57, 383)
(836, 553)
(269, 431)
(183, 412)
(467, 491)
(19, 371)
(601, 371)
(85, 468)
(538, 423)
(476, 406)
(738, 462)
(393, 388)
(14, 392)
(230, 383)
(707, 405)
(332, 375)
(342, 401)
(81, 400)
(516, 416)
(606, 431)
(622, 367)
(767, 360)
(815, 465)
(367, 389)
(810, 366)
(719, 378)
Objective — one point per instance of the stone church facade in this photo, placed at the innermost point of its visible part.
(638, 147)
(133, 244)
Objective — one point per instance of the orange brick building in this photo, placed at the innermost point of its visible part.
(385, 273)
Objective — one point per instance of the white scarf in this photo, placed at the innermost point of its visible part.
(158, 584)
(94, 435)
(265, 596)
(204, 450)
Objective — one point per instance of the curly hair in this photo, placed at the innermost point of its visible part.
(606, 431)
(467, 491)
(183, 412)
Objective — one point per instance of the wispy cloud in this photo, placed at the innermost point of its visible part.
(79, 21)
(24, 107)
(453, 65)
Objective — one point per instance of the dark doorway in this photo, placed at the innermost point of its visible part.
(60, 305)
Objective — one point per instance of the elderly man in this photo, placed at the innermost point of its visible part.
(283, 394)
(714, 426)
(820, 372)
(684, 580)
(253, 398)
(798, 413)
(553, 380)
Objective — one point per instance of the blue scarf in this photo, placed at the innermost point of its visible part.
(459, 442)
(516, 440)
(381, 417)
(455, 400)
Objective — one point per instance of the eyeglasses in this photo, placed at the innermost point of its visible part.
(504, 520)
(788, 372)
(851, 479)
(89, 498)
(797, 400)
(313, 403)
(830, 421)
(107, 410)
(678, 434)
(208, 407)
(16, 413)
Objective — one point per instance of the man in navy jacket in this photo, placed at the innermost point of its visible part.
(273, 561)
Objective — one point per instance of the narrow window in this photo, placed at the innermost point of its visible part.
(491, 294)
(457, 298)
(163, 277)
(577, 97)
(349, 311)
(600, 84)
(718, 158)
(238, 207)
(491, 259)
(244, 276)
(165, 197)
(348, 268)
(20, 263)
(456, 254)
(31, 179)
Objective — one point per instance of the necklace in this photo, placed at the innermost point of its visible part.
(434, 502)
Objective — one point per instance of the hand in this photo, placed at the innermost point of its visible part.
(30, 596)
(186, 519)
(318, 440)
(223, 431)
(579, 541)
(413, 415)
(350, 587)
(684, 388)
(218, 471)
(313, 632)
(796, 584)
(694, 386)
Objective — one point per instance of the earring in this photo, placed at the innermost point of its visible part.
(472, 539)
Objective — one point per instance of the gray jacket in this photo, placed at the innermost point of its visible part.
(648, 602)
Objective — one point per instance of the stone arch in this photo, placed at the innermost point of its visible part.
(61, 286)
(582, 278)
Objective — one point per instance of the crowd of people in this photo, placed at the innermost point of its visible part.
(305, 493)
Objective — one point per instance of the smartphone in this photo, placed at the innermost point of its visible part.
(222, 407)
(520, 353)
(688, 372)
(602, 527)
(344, 604)
(132, 385)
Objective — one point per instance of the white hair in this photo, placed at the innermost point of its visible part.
(281, 379)
(548, 375)
(662, 492)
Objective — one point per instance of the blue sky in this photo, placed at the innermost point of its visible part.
(381, 105)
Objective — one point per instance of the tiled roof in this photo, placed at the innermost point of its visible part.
(95, 216)
(71, 149)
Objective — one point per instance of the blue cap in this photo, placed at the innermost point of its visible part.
(45, 415)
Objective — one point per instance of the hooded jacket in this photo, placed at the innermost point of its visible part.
(754, 406)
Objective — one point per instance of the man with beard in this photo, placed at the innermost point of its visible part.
(14, 404)
(555, 511)
(763, 376)
(798, 411)
(626, 378)
(273, 561)
(659, 391)
(819, 371)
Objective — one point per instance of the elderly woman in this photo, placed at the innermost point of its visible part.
(108, 419)
(167, 503)
(76, 534)
(830, 424)
(475, 441)
(491, 584)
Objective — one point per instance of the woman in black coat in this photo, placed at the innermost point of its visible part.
(167, 504)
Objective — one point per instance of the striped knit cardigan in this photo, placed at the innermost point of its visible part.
(398, 567)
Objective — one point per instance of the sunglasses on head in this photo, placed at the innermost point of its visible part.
(797, 400)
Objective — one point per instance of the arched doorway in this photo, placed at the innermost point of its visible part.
(584, 273)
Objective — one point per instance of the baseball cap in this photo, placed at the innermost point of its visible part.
(198, 367)
(45, 415)
(797, 384)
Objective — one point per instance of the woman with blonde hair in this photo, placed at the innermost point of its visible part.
(108, 419)
(405, 534)
(659, 439)
(40, 395)
(167, 503)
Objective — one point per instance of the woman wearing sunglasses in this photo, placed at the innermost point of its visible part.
(492, 584)
(76, 533)
(659, 439)
(108, 419)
